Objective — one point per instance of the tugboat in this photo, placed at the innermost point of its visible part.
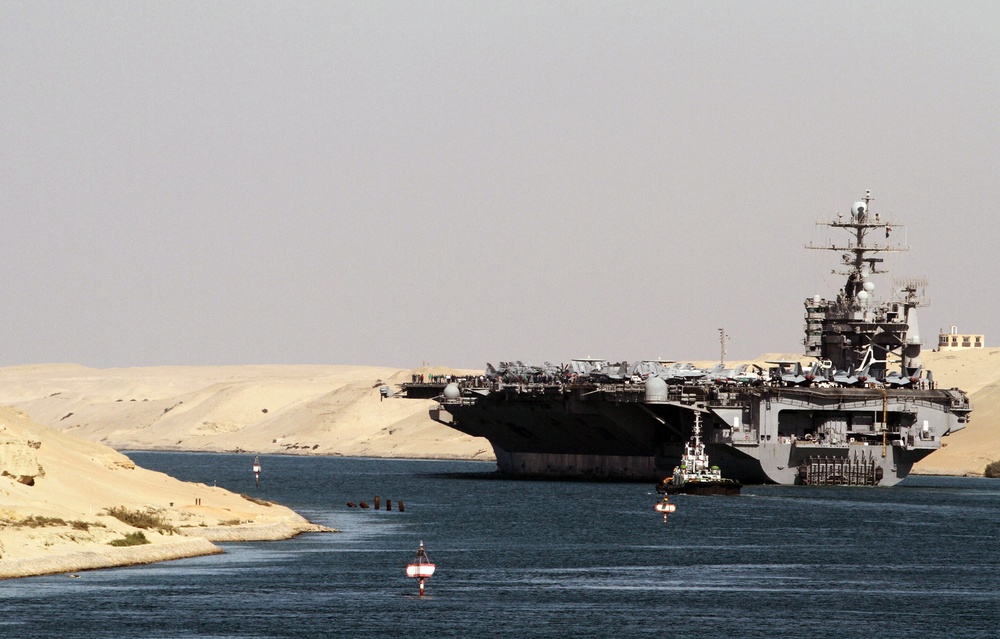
(694, 475)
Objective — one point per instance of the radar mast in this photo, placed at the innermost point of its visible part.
(854, 330)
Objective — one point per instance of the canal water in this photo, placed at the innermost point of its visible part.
(549, 559)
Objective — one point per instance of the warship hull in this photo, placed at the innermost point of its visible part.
(849, 420)
(764, 434)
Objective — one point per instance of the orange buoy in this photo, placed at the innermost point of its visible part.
(665, 507)
(421, 569)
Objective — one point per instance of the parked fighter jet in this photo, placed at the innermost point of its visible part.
(792, 374)
(748, 374)
(851, 378)
(683, 373)
(720, 374)
(742, 374)
(646, 368)
(584, 366)
(897, 380)
(610, 372)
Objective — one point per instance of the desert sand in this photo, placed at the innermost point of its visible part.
(317, 410)
(968, 451)
(56, 490)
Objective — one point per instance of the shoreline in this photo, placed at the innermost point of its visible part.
(199, 451)
(191, 544)
(95, 557)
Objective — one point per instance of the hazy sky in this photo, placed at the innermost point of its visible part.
(463, 182)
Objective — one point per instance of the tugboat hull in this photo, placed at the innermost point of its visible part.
(702, 488)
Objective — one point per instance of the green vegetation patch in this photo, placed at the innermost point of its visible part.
(139, 519)
(992, 470)
(37, 521)
(132, 539)
(40, 521)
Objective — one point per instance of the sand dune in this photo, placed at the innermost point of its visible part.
(968, 451)
(321, 410)
(55, 490)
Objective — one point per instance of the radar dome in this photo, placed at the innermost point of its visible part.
(859, 208)
(869, 286)
(451, 391)
(862, 297)
(656, 389)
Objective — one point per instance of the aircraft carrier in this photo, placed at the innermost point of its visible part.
(860, 411)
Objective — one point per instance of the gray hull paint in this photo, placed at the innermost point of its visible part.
(755, 435)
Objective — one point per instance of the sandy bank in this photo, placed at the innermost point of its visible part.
(189, 543)
(64, 500)
(253, 532)
(106, 557)
(303, 410)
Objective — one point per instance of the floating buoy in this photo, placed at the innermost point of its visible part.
(665, 507)
(421, 569)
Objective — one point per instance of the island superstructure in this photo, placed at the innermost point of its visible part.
(861, 413)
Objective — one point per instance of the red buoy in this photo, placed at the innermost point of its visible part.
(421, 569)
